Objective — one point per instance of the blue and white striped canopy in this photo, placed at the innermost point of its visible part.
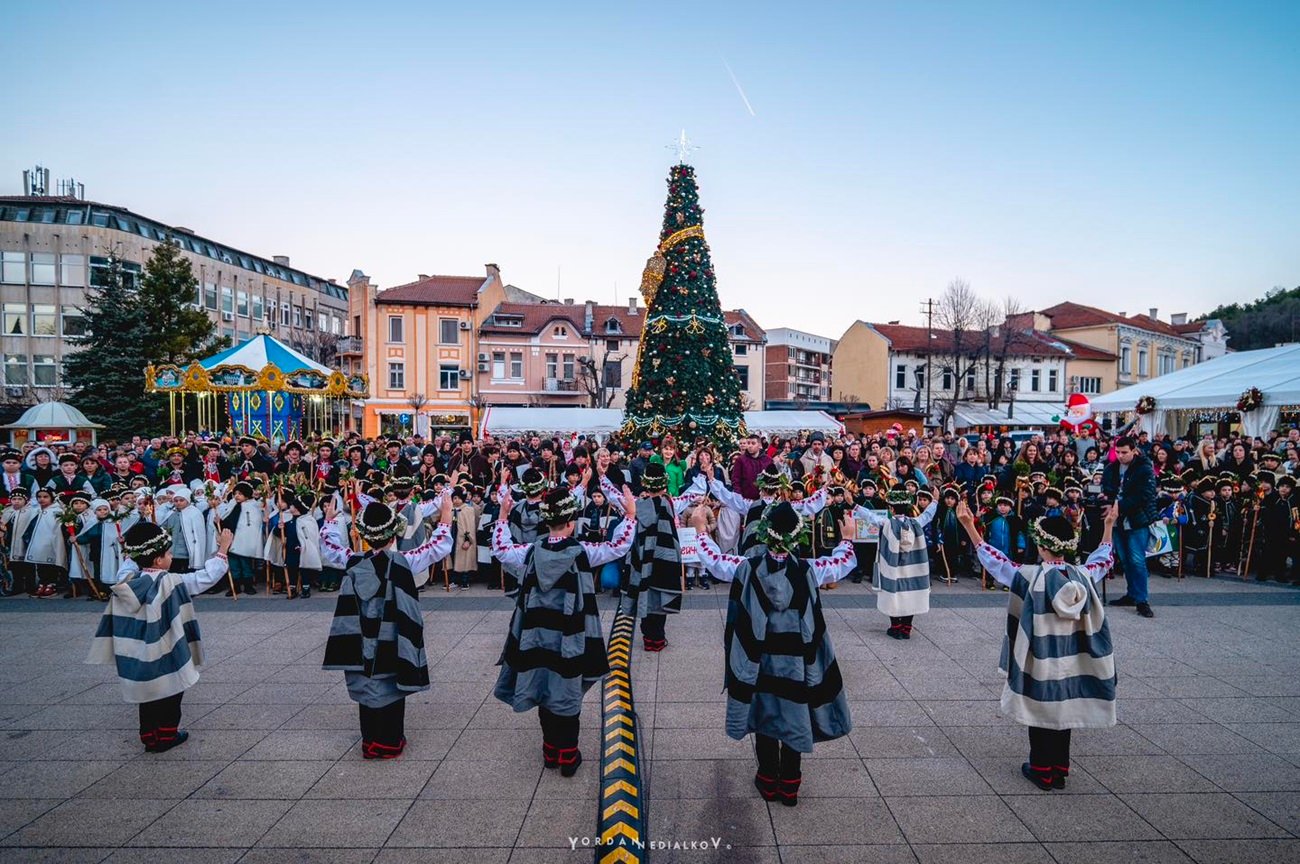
(261, 350)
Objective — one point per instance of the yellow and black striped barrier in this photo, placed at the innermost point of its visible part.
(621, 822)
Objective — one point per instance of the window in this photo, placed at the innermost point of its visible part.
(742, 375)
(900, 377)
(15, 319)
(568, 367)
(561, 332)
(1187, 359)
(356, 325)
(396, 375)
(395, 328)
(611, 345)
(42, 268)
(613, 373)
(16, 370)
(43, 323)
(1090, 385)
(75, 217)
(498, 364)
(1035, 380)
(920, 377)
(516, 364)
(448, 331)
(789, 353)
(297, 316)
(970, 381)
(73, 272)
(227, 300)
(257, 308)
(306, 318)
(74, 322)
(946, 383)
(1142, 362)
(336, 325)
(1015, 379)
(284, 314)
(13, 268)
(737, 330)
(742, 349)
(1053, 378)
(1125, 360)
(552, 365)
(209, 295)
(45, 373)
(612, 326)
(448, 377)
(243, 303)
(1166, 362)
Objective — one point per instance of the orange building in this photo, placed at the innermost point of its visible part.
(418, 344)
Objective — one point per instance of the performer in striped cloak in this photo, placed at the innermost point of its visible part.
(782, 680)
(149, 630)
(525, 520)
(1057, 652)
(773, 487)
(555, 650)
(377, 635)
(902, 574)
(656, 558)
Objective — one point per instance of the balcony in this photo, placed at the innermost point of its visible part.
(560, 385)
(350, 345)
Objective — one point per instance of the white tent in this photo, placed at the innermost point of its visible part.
(605, 421)
(1218, 384)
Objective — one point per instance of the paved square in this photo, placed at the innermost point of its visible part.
(1204, 766)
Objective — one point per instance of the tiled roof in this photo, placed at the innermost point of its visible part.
(1025, 343)
(434, 291)
(743, 318)
(537, 315)
(1067, 316)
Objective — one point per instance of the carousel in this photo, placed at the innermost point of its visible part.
(260, 387)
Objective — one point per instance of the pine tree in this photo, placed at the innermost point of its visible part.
(167, 288)
(684, 383)
(106, 373)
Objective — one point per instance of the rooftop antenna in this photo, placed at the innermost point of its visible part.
(36, 182)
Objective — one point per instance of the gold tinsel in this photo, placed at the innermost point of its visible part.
(652, 277)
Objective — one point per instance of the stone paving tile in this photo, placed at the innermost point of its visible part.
(147, 778)
(1130, 852)
(947, 775)
(53, 855)
(891, 741)
(1247, 772)
(1193, 738)
(17, 812)
(213, 822)
(86, 822)
(55, 779)
(1206, 816)
(190, 856)
(264, 780)
(1003, 775)
(1061, 818)
(1238, 851)
(297, 744)
(981, 853)
(363, 823)
(308, 856)
(464, 824)
(492, 779)
(875, 853)
(1142, 774)
(1283, 808)
(965, 819)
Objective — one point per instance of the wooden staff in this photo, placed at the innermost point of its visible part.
(1250, 547)
(85, 569)
(1209, 540)
(943, 556)
(230, 577)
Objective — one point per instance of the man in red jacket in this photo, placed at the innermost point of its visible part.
(747, 465)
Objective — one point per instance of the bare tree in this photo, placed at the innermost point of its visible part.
(416, 401)
(962, 319)
(316, 344)
(1010, 334)
(598, 380)
(747, 402)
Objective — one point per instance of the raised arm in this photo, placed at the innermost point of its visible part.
(731, 500)
(1000, 567)
(603, 553)
(928, 514)
(210, 574)
(334, 550)
(871, 517)
(504, 548)
(721, 566)
(437, 547)
(835, 566)
(690, 495)
(1102, 558)
(812, 505)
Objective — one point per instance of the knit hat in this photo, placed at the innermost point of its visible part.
(655, 479)
(10, 455)
(531, 482)
(378, 524)
(782, 528)
(20, 492)
(558, 507)
(145, 541)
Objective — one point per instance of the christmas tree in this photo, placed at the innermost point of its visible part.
(683, 383)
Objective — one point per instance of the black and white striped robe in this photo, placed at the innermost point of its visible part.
(782, 679)
(554, 649)
(902, 572)
(752, 512)
(377, 635)
(1057, 652)
(656, 558)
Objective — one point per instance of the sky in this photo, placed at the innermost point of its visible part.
(853, 157)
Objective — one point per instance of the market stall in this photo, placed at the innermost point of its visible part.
(1255, 388)
(51, 423)
(602, 422)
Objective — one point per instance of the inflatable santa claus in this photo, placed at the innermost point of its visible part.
(1078, 419)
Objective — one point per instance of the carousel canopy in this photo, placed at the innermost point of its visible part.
(262, 351)
(52, 415)
(1217, 383)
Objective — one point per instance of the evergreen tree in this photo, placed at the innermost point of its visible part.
(684, 382)
(167, 288)
(106, 373)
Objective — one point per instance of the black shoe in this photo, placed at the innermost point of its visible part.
(249, 589)
(1120, 601)
(766, 786)
(1058, 777)
(894, 632)
(230, 592)
(787, 791)
(306, 592)
(164, 745)
(569, 759)
(856, 580)
(1144, 609)
(705, 583)
(1041, 778)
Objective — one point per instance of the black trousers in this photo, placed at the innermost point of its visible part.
(899, 620)
(386, 725)
(160, 714)
(776, 759)
(179, 565)
(1049, 748)
(49, 574)
(559, 730)
(652, 626)
(24, 576)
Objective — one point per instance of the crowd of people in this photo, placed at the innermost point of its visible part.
(550, 521)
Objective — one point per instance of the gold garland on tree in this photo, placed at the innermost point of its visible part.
(653, 276)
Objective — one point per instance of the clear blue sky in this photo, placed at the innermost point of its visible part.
(1125, 154)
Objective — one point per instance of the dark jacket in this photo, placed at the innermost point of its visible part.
(1136, 495)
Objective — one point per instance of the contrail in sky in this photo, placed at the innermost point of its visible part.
(739, 89)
